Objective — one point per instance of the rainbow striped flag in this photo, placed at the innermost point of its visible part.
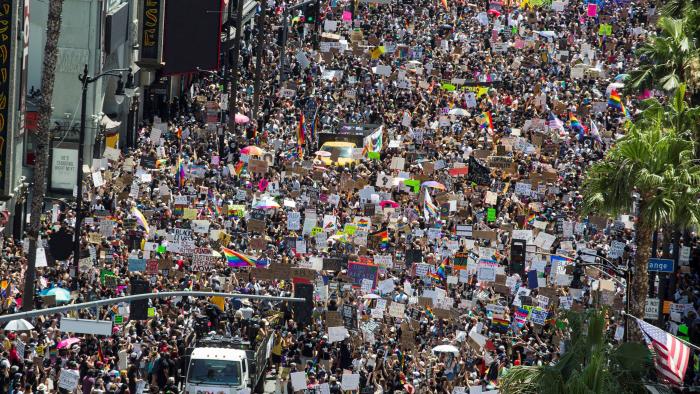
(575, 124)
(301, 131)
(434, 276)
(383, 236)
(531, 219)
(142, 221)
(429, 312)
(238, 168)
(615, 100)
(441, 270)
(236, 259)
(180, 174)
(500, 325)
(486, 120)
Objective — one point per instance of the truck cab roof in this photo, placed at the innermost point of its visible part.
(209, 353)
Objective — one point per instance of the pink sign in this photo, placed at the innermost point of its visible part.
(592, 10)
(347, 16)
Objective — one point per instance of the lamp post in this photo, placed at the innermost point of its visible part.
(619, 271)
(119, 95)
(221, 109)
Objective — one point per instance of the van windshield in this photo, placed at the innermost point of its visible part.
(206, 371)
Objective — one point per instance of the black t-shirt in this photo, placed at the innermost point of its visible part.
(308, 349)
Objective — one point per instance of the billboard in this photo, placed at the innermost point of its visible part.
(192, 36)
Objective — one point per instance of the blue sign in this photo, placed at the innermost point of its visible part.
(660, 265)
(137, 265)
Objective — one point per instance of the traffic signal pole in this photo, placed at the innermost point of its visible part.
(235, 73)
(258, 59)
(285, 27)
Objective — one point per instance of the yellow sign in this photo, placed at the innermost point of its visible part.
(189, 214)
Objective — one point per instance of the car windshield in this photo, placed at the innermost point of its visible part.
(214, 372)
(342, 151)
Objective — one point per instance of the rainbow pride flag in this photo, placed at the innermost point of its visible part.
(500, 325)
(236, 259)
(238, 168)
(615, 100)
(180, 174)
(383, 239)
(301, 130)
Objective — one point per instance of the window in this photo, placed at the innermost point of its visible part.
(206, 371)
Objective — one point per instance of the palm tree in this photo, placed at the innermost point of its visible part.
(676, 114)
(689, 9)
(43, 138)
(656, 164)
(589, 365)
(670, 58)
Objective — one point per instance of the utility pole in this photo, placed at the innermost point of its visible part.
(258, 59)
(283, 54)
(227, 69)
(233, 98)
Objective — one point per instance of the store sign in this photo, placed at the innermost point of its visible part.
(64, 167)
(152, 31)
(6, 25)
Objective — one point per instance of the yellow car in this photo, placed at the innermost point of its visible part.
(343, 150)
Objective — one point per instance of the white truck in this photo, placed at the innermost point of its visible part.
(225, 365)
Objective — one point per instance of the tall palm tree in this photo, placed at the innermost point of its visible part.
(670, 58)
(658, 164)
(43, 138)
(589, 365)
(677, 114)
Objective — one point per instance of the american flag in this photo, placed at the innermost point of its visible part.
(672, 355)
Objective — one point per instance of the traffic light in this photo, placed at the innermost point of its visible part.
(310, 12)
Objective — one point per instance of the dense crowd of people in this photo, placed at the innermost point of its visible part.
(489, 115)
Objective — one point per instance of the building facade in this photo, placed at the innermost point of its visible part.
(102, 35)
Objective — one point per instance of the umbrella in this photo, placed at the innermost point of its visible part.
(323, 153)
(252, 150)
(62, 295)
(267, 203)
(434, 185)
(389, 203)
(547, 33)
(19, 325)
(622, 77)
(241, 119)
(495, 13)
(614, 86)
(459, 112)
(445, 349)
(371, 296)
(67, 342)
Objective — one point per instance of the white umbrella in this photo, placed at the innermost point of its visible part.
(459, 112)
(445, 349)
(614, 85)
(371, 296)
(19, 325)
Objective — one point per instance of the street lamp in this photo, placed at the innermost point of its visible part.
(119, 95)
(626, 273)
